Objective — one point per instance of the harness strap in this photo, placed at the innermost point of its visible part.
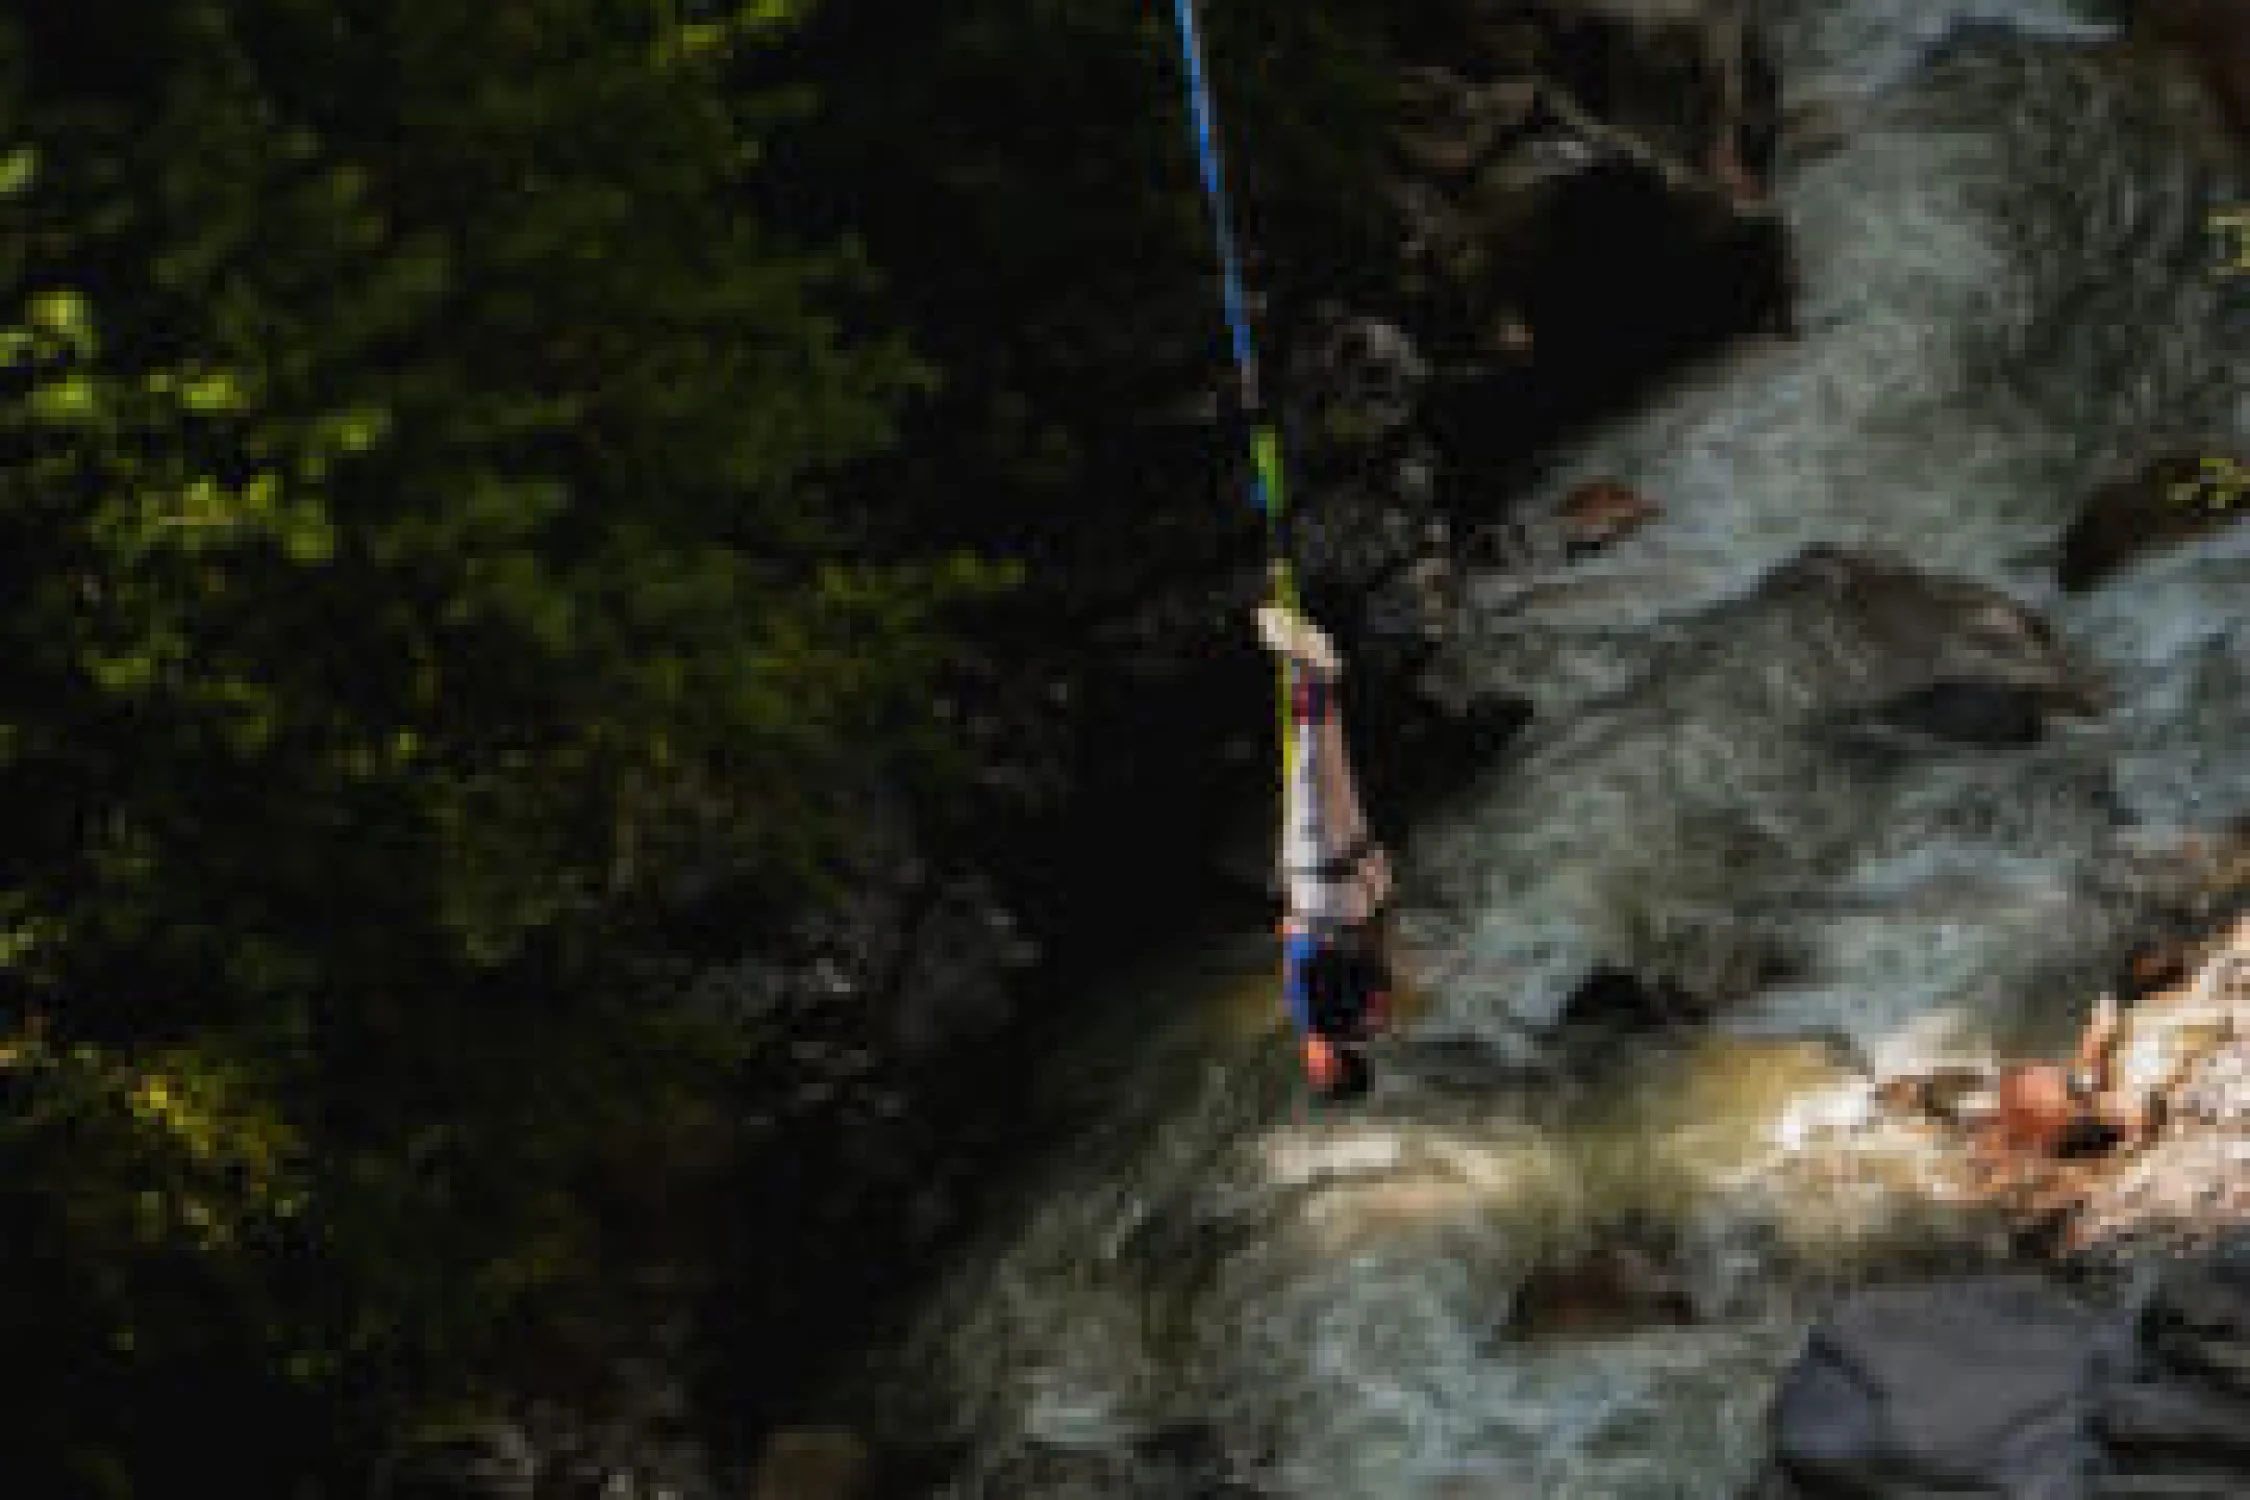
(1337, 867)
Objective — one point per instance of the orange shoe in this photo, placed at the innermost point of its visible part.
(1322, 1065)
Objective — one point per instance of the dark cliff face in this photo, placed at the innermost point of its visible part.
(1585, 192)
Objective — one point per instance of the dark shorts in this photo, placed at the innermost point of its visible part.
(1339, 979)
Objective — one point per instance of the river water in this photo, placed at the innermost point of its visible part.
(1217, 1288)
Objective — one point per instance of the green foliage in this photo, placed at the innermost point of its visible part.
(459, 443)
(421, 512)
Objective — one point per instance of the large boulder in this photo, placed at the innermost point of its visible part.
(2008, 1387)
(1980, 668)
(1911, 630)
(1976, 1387)
(1580, 210)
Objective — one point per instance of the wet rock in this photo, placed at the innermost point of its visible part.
(2005, 1386)
(1931, 659)
(1938, 628)
(1981, 1386)
(812, 1464)
(2167, 502)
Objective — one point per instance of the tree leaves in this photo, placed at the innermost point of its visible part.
(424, 501)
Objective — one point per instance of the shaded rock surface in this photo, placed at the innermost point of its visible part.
(1567, 236)
(1578, 208)
(2170, 501)
(1973, 1387)
(2012, 1387)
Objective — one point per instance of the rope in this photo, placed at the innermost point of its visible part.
(1213, 162)
(1266, 487)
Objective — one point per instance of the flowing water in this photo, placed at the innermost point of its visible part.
(2009, 297)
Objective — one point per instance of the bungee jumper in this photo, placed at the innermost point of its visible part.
(1335, 981)
(1335, 970)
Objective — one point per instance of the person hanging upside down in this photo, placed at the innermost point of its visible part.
(1336, 879)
